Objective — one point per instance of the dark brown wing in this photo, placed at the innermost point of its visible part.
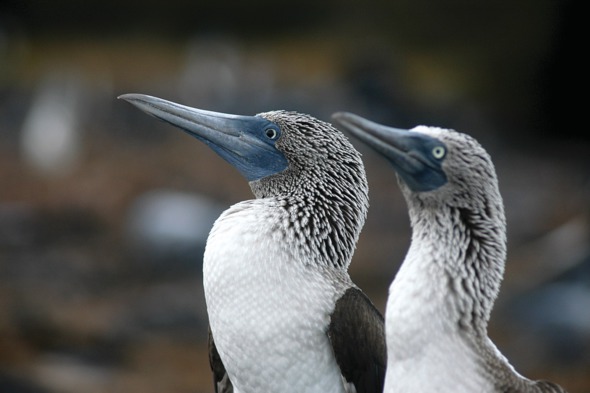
(357, 334)
(221, 381)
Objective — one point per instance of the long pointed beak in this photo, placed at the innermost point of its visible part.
(237, 139)
(409, 152)
(390, 142)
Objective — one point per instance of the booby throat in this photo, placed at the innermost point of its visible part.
(284, 314)
(440, 301)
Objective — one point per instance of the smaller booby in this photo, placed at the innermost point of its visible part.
(440, 301)
(284, 314)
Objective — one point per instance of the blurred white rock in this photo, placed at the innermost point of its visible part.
(50, 136)
(166, 225)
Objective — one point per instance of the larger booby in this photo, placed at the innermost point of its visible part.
(440, 300)
(284, 314)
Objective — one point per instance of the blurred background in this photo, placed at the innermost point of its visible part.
(104, 211)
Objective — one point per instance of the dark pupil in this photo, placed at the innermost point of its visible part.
(271, 133)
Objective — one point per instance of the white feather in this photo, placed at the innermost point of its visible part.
(426, 352)
(268, 310)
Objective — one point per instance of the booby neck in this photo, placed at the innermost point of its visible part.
(284, 315)
(455, 288)
(473, 267)
(442, 296)
(301, 231)
(323, 191)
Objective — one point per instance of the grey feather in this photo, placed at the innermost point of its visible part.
(465, 219)
(301, 231)
(324, 190)
(458, 249)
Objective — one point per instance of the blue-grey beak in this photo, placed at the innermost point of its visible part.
(246, 142)
(411, 153)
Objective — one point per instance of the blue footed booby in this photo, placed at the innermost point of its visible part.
(440, 300)
(284, 314)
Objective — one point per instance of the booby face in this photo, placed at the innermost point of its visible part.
(437, 166)
(468, 201)
(287, 155)
(281, 305)
(441, 298)
(416, 156)
(246, 142)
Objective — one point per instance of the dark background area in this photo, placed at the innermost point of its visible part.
(104, 211)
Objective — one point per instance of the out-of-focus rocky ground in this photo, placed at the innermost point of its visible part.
(104, 211)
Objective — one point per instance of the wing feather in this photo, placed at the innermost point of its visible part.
(357, 334)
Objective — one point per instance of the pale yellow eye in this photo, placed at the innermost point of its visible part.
(438, 152)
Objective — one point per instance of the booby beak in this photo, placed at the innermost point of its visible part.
(246, 142)
(416, 157)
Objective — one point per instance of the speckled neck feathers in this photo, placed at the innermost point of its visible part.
(324, 190)
(441, 299)
(275, 267)
(468, 214)
(473, 267)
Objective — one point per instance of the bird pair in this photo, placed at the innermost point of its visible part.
(284, 314)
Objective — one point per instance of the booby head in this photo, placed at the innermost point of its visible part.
(290, 156)
(440, 301)
(284, 314)
(435, 165)
(246, 142)
(450, 185)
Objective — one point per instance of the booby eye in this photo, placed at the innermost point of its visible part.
(438, 152)
(271, 133)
